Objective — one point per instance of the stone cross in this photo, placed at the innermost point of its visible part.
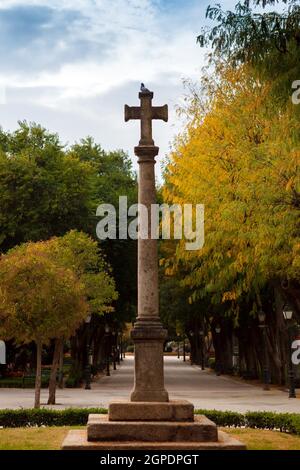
(149, 419)
(145, 113)
(148, 334)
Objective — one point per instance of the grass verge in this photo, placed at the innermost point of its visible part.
(50, 438)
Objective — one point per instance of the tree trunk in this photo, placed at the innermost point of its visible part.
(78, 353)
(38, 377)
(61, 366)
(52, 381)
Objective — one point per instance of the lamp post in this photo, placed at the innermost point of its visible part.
(183, 349)
(119, 347)
(107, 348)
(218, 362)
(191, 354)
(288, 315)
(114, 349)
(201, 334)
(266, 372)
(88, 365)
(178, 346)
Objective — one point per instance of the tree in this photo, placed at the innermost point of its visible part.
(48, 189)
(81, 254)
(44, 191)
(39, 300)
(240, 157)
(244, 35)
(269, 42)
(113, 177)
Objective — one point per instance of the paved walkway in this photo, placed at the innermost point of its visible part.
(203, 388)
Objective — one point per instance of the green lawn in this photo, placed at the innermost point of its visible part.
(257, 439)
(52, 437)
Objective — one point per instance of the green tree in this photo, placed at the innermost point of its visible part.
(113, 177)
(39, 300)
(47, 190)
(245, 35)
(81, 254)
(268, 41)
(44, 191)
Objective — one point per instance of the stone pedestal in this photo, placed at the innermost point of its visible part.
(149, 374)
(176, 410)
(150, 426)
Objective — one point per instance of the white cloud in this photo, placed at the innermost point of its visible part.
(139, 49)
(126, 41)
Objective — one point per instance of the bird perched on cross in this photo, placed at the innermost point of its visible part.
(144, 89)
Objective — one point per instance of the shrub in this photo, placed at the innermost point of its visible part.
(224, 418)
(284, 422)
(43, 417)
(74, 378)
(212, 363)
(18, 382)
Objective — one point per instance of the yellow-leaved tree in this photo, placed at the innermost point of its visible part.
(239, 156)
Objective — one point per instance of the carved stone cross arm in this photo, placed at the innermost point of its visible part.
(146, 113)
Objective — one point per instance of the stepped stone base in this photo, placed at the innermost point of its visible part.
(150, 426)
(77, 440)
(101, 429)
(176, 410)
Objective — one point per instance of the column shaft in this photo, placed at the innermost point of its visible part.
(148, 334)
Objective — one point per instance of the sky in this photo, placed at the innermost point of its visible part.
(71, 65)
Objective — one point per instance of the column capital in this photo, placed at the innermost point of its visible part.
(146, 152)
(148, 94)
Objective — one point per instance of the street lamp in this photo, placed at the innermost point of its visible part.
(183, 352)
(191, 355)
(89, 358)
(218, 362)
(120, 348)
(107, 347)
(114, 349)
(288, 315)
(263, 326)
(201, 334)
(287, 312)
(178, 346)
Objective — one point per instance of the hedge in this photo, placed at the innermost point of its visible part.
(43, 417)
(17, 382)
(224, 418)
(284, 422)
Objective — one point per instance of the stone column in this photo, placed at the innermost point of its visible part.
(148, 334)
